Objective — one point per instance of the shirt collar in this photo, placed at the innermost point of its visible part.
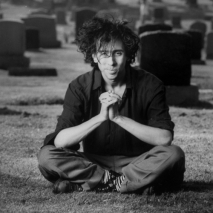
(98, 78)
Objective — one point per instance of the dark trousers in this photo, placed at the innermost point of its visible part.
(162, 164)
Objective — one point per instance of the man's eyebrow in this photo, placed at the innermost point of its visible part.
(115, 50)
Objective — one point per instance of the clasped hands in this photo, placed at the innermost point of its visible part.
(109, 105)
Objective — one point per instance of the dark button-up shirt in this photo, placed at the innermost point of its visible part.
(143, 101)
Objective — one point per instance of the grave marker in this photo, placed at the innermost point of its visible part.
(201, 26)
(196, 46)
(47, 29)
(176, 22)
(82, 15)
(209, 45)
(168, 56)
(159, 14)
(12, 44)
(32, 38)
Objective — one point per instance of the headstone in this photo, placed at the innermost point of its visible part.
(212, 23)
(154, 27)
(196, 46)
(209, 45)
(176, 22)
(47, 30)
(82, 15)
(32, 38)
(61, 17)
(159, 15)
(168, 56)
(12, 44)
(201, 26)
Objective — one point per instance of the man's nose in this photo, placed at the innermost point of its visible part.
(111, 60)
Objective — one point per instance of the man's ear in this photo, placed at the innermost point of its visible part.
(95, 58)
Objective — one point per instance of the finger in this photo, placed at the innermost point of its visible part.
(114, 95)
(108, 103)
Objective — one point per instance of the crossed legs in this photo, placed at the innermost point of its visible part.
(162, 164)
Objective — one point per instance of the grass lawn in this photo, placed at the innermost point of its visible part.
(29, 107)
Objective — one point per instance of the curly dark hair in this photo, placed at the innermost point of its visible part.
(104, 30)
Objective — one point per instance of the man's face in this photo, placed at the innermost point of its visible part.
(111, 60)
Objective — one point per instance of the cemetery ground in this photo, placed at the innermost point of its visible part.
(29, 108)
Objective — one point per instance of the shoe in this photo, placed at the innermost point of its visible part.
(65, 186)
(111, 183)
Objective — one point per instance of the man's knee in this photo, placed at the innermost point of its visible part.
(44, 155)
(177, 153)
(177, 159)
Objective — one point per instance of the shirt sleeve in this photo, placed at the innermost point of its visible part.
(72, 114)
(158, 111)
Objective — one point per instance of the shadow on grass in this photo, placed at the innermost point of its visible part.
(7, 111)
(199, 105)
(38, 101)
(197, 186)
(10, 182)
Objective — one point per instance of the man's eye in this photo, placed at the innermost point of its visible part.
(119, 53)
(104, 53)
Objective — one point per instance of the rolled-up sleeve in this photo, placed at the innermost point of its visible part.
(72, 115)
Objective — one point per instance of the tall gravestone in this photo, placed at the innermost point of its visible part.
(167, 55)
(209, 45)
(201, 26)
(82, 15)
(154, 27)
(12, 44)
(196, 46)
(32, 38)
(176, 22)
(159, 15)
(47, 29)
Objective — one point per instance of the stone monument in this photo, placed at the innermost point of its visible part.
(47, 29)
(12, 44)
(167, 55)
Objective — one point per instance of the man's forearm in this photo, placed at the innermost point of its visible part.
(150, 135)
(73, 135)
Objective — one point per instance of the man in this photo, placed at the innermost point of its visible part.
(121, 116)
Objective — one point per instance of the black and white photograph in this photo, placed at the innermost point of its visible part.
(106, 106)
